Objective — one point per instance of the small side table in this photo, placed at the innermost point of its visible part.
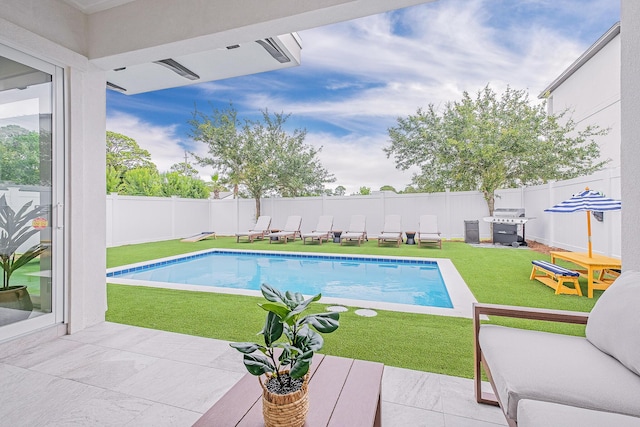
(336, 236)
(410, 237)
(275, 230)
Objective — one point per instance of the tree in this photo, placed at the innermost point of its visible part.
(364, 191)
(340, 191)
(489, 143)
(177, 184)
(124, 153)
(141, 182)
(114, 180)
(259, 155)
(19, 155)
(185, 169)
(388, 188)
(216, 185)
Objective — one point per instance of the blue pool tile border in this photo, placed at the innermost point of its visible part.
(269, 254)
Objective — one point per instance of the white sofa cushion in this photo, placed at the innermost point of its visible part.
(534, 413)
(614, 322)
(564, 369)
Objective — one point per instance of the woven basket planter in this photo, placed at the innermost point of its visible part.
(285, 410)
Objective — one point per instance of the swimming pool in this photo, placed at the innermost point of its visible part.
(395, 283)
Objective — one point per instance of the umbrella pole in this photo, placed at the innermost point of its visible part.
(589, 231)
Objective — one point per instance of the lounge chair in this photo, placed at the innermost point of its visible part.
(200, 236)
(392, 230)
(429, 231)
(322, 230)
(291, 230)
(258, 231)
(357, 230)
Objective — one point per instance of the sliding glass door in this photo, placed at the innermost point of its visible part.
(31, 193)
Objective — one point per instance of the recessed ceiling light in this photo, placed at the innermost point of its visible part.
(113, 86)
(178, 68)
(274, 50)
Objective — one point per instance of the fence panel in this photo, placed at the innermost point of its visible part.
(144, 219)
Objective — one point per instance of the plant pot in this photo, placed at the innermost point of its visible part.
(285, 410)
(15, 304)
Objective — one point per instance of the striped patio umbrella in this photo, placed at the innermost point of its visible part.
(587, 200)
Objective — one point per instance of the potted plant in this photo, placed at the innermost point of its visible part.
(15, 230)
(286, 363)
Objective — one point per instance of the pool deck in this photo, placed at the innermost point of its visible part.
(119, 375)
(459, 293)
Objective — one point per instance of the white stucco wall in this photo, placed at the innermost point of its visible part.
(85, 112)
(592, 94)
(630, 148)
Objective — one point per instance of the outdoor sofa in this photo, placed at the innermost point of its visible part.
(547, 379)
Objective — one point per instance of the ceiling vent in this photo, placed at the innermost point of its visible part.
(274, 50)
(178, 68)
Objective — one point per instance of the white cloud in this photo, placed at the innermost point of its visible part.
(358, 162)
(389, 65)
(166, 147)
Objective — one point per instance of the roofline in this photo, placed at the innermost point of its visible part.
(586, 56)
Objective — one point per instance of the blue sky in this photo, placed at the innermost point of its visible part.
(357, 77)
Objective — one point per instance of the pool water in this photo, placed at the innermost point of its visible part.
(402, 281)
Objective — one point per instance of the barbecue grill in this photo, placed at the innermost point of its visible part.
(506, 222)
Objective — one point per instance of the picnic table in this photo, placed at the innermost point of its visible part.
(342, 392)
(592, 264)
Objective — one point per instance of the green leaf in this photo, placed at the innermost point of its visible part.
(280, 310)
(246, 347)
(271, 294)
(302, 305)
(322, 322)
(272, 329)
(314, 341)
(301, 366)
(258, 364)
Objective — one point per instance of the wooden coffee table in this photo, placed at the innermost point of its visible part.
(342, 392)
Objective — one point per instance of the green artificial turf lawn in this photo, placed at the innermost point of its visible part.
(430, 343)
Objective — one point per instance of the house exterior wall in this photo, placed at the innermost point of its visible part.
(630, 148)
(592, 95)
(32, 27)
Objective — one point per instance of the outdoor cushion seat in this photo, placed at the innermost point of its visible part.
(556, 269)
(322, 230)
(391, 230)
(556, 277)
(599, 372)
(291, 230)
(537, 413)
(527, 364)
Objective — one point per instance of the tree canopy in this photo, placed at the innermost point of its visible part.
(19, 155)
(491, 142)
(124, 153)
(260, 156)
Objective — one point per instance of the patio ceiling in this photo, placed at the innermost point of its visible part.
(147, 45)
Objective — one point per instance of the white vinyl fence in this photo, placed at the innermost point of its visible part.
(146, 219)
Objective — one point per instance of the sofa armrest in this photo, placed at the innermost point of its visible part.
(531, 313)
(479, 309)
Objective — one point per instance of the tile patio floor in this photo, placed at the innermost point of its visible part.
(119, 375)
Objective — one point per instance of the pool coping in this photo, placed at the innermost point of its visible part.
(459, 293)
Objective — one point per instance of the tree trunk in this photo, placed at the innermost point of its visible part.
(257, 207)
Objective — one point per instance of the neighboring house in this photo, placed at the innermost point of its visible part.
(590, 89)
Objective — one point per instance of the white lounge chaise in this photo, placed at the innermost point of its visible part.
(428, 231)
(357, 230)
(291, 230)
(392, 230)
(258, 231)
(322, 231)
